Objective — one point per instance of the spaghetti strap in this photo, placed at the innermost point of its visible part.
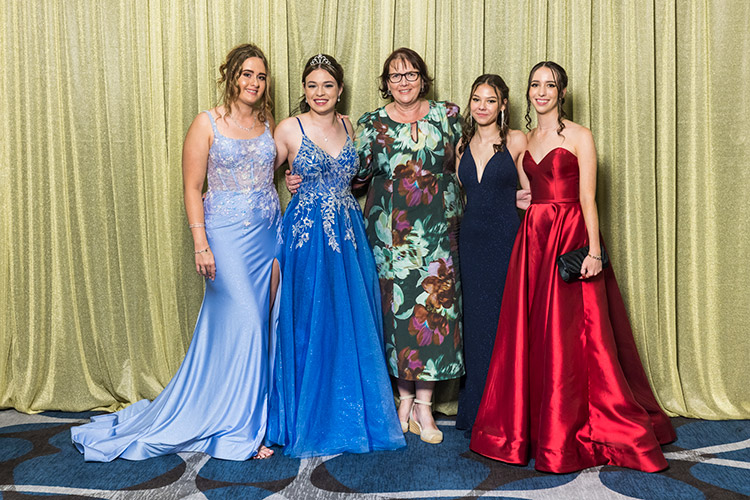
(300, 125)
(213, 122)
(345, 129)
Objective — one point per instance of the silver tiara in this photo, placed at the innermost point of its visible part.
(320, 59)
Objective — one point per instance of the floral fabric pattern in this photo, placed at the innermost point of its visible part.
(326, 189)
(411, 214)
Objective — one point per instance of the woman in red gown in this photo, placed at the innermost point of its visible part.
(566, 386)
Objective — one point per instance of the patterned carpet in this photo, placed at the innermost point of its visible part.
(710, 459)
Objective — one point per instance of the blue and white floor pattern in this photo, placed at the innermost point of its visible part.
(710, 459)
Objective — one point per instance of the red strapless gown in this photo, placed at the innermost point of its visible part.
(566, 386)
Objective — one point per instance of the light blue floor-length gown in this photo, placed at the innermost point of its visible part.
(331, 390)
(217, 402)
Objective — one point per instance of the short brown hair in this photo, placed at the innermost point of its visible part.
(407, 55)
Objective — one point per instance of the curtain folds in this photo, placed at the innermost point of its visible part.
(98, 295)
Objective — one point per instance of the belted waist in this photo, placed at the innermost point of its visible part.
(554, 200)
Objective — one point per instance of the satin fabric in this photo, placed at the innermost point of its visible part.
(566, 386)
(217, 402)
(331, 391)
(485, 241)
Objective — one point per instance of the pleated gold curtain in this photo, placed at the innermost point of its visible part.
(98, 293)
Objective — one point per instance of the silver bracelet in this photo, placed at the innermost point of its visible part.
(202, 251)
(197, 224)
(595, 257)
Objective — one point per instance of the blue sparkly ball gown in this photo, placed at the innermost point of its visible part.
(217, 402)
(331, 389)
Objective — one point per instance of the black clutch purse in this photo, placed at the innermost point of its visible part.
(569, 264)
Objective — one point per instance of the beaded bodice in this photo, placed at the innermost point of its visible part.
(326, 187)
(240, 177)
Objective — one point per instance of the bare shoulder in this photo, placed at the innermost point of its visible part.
(286, 128)
(516, 138)
(575, 131)
(271, 123)
(201, 128)
(202, 120)
(580, 137)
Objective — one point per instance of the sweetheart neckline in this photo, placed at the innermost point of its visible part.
(548, 153)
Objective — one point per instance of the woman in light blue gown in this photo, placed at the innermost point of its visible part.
(331, 390)
(217, 403)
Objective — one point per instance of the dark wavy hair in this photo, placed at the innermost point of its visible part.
(561, 82)
(230, 72)
(407, 55)
(470, 126)
(318, 61)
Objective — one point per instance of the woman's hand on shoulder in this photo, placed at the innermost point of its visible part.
(452, 109)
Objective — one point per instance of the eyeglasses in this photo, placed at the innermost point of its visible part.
(411, 76)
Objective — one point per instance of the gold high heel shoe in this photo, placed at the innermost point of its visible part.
(431, 436)
(405, 425)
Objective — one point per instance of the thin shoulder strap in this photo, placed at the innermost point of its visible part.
(300, 125)
(345, 129)
(213, 123)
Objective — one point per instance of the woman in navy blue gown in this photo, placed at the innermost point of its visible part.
(489, 169)
(331, 390)
(217, 402)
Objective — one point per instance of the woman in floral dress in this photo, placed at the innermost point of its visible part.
(407, 155)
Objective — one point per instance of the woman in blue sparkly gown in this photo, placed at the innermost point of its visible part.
(217, 402)
(331, 390)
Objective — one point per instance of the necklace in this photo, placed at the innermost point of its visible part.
(246, 129)
(325, 137)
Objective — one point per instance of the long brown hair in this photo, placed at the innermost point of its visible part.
(470, 126)
(324, 62)
(230, 73)
(561, 82)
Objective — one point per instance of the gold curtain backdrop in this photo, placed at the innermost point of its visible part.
(99, 295)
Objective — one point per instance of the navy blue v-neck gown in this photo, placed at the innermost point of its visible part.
(485, 241)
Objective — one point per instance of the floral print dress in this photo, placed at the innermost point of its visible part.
(411, 214)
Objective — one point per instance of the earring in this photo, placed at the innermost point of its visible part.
(389, 91)
(339, 99)
(502, 117)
